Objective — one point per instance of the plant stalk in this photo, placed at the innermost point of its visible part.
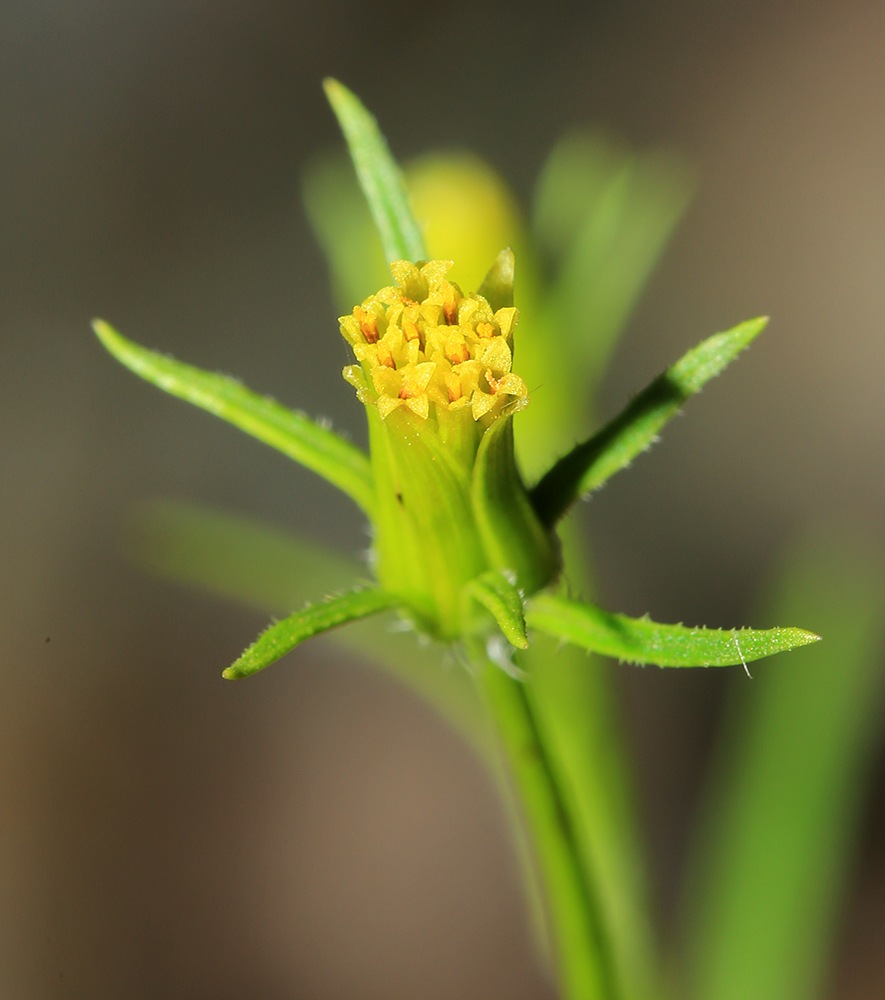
(585, 969)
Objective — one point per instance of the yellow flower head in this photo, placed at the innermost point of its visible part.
(425, 346)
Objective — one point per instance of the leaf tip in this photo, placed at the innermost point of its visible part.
(740, 337)
(802, 637)
(345, 103)
(113, 341)
(753, 327)
(104, 331)
(334, 89)
(242, 668)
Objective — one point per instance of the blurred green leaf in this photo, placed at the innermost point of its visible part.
(296, 435)
(590, 464)
(503, 601)
(786, 789)
(282, 637)
(343, 226)
(640, 640)
(379, 176)
(235, 557)
(606, 215)
(603, 216)
(570, 187)
(273, 572)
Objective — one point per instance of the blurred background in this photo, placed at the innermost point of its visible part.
(316, 832)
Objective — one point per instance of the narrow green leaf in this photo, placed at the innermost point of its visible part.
(296, 435)
(378, 174)
(315, 619)
(595, 460)
(502, 600)
(571, 186)
(640, 640)
(273, 571)
(784, 807)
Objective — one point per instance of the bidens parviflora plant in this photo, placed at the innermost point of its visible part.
(436, 376)
(461, 545)
(464, 549)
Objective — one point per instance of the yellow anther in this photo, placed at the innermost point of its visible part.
(368, 324)
(453, 386)
(385, 357)
(456, 352)
(416, 379)
(450, 303)
(425, 347)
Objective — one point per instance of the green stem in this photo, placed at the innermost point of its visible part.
(583, 957)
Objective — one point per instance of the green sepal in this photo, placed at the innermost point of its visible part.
(503, 601)
(497, 287)
(379, 176)
(589, 464)
(640, 640)
(513, 538)
(315, 619)
(295, 434)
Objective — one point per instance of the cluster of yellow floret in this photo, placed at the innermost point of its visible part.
(423, 342)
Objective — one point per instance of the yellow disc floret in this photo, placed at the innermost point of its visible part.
(425, 346)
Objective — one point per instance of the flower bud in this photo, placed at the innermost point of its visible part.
(435, 374)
